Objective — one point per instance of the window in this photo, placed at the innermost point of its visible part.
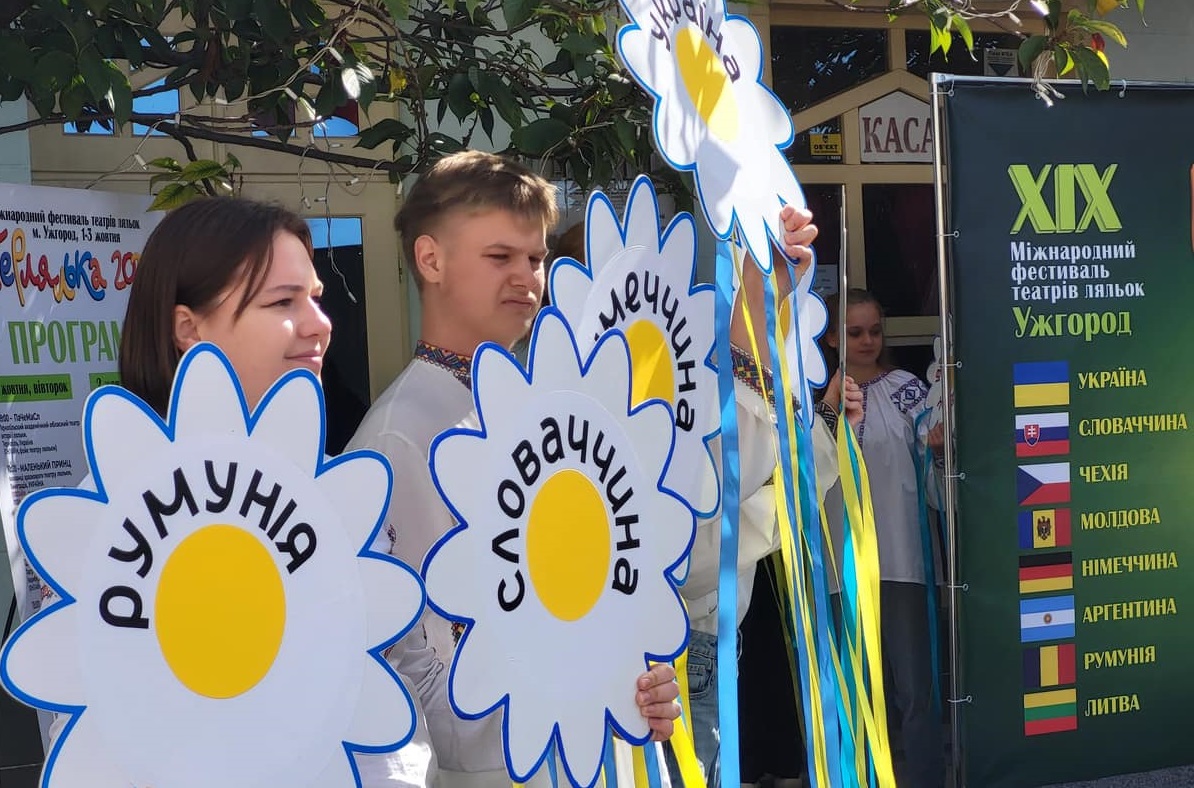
(899, 230)
(825, 201)
(164, 103)
(810, 64)
(340, 264)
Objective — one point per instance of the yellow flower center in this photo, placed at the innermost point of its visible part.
(707, 82)
(568, 545)
(650, 363)
(220, 611)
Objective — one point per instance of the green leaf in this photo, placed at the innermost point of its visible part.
(201, 170)
(965, 32)
(518, 11)
(385, 129)
(73, 98)
(470, 6)
(351, 81)
(1107, 29)
(130, 42)
(274, 18)
(460, 91)
(1090, 67)
(625, 132)
(1062, 62)
(120, 94)
(238, 10)
(1030, 50)
(487, 121)
(561, 65)
(166, 163)
(501, 97)
(308, 13)
(15, 58)
(173, 195)
(399, 9)
(94, 73)
(540, 136)
(11, 89)
(442, 144)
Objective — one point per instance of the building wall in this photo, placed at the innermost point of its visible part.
(1158, 51)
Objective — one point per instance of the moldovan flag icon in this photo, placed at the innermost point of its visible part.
(1040, 485)
(1042, 528)
(1042, 434)
(1046, 572)
(1046, 618)
(1041, 384)
(1050, 712)
(1049, 666)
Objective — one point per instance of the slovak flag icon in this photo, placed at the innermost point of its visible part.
(1042, 434)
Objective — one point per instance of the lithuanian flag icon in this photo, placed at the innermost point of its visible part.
(1050, 712)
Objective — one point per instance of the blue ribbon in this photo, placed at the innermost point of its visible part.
(809, 507)
(924, 465)
(652, 758)
(608, 763)
(727, 587)
(849, 601)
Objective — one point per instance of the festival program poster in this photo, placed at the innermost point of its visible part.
(67, 260)
(1072, 270)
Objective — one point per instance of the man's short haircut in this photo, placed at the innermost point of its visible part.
(472, 181)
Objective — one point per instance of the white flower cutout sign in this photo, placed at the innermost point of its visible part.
(713, 113)
(560, 567)
(639, 281)
(800, 341)
(221, 616)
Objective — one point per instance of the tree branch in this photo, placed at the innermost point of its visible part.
(165, 123)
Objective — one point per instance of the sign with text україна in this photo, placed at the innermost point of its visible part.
(67, 260)
(1072, 268)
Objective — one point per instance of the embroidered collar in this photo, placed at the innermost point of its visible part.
(459, 365)
(756, 376)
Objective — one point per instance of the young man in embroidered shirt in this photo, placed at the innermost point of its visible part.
(758, 532)
(474, 233)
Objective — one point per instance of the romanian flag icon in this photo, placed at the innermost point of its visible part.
(1046, 572)
(1042, 434)
(1041, 485)
(1040, 384)
(1049, 666)
(1046, 618)
(1044, 528)
(1050, 712)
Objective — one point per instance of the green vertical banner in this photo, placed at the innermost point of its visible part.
(1073, 275)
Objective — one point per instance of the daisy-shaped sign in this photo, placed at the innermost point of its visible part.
(221, 616)
(639, 280)
(713, 113)
(561, 567)
(804, 318)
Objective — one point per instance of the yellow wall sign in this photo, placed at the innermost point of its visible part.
(825, 145)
